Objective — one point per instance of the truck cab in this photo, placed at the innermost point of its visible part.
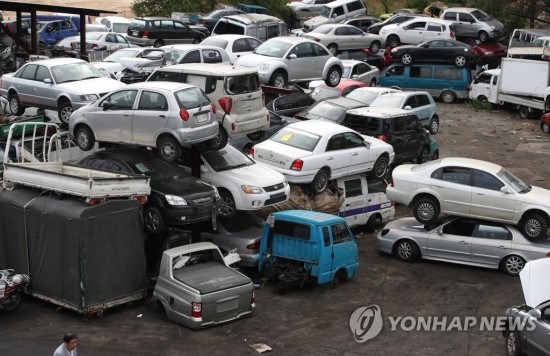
(484, 86)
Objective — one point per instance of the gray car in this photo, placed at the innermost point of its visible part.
(471, 22)
(62, 84)
(163, 115)
(461, 240)
(341, 37)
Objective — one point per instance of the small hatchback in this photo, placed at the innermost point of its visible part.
(473, 23)
(162, 115)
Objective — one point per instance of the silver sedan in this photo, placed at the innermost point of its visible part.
(462, 240)
(340, 37)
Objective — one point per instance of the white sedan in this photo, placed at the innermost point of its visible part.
(471, 188)
(340, 37)
(316, 152)
(235, 45)
(356, 70)
(243, 184)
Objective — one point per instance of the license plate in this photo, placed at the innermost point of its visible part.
(202, 117)
(135, 33)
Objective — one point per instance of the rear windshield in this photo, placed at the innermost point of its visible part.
(242, 84)
(364, 96)
(365, 125)
(227, 28)
(137, 24)
(191, 98)
(328, 110)
(299, 139)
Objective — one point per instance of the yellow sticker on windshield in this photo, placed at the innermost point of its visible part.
(286, 137)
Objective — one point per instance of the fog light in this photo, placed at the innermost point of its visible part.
(256, 203)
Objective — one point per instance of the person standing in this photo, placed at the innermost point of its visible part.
(68, 347)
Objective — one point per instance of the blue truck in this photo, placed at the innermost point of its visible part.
(300, 246)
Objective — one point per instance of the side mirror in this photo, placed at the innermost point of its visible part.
(440, 231)
(283, 121)
(535, 313)
(505, 190)
(292, 56)
(232, 257)
(47, 81)
(367, 144)
(107, 105)
(354, 76)
(408, 107)
(334, 16)
(203, 169)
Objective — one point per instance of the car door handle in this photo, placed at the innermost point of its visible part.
(463, 242)
(502, 247)
(126, 115)
(330, 159)
(478, 193)
(355, 154)
(162, 116)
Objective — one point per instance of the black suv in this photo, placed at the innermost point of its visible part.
(160, 31)
(400, 128)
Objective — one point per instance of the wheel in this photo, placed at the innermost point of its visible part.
(372, 82)
(482, 99)
(375, 47)
(227, 207)
(435, 155)
(381, 167)
(333, 48)
(16, 107)
(278, 79)
(169, 148)
(513, 343)
(460, 61)
(370, 226)
(393, 41)
(333, 76)
(153, 220)
(406, 59)
(64, 111)
(512, 265)
(320, 181)
(534, 226)
(425, 210)
(483, 36)
(523, 112)
(545, 127)
(341, 275)
(197, 40)
(15, 300)
(84, 138)
(255, 135)
(434, 125)
(448, 97)
(407, 251)
(424, 156)
(158, 43)
(220, 140)
(547, 105)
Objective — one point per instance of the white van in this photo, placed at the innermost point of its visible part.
(115, 24)
(263, 27)
(336, 12)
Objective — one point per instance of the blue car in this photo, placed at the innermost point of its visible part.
(51, 32)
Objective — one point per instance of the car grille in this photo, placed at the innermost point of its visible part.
(275, 187)
(276, 198)
(203, 200)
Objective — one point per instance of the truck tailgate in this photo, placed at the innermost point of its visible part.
(210, 277)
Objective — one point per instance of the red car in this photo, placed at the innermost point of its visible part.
(488, 52)
(545, 122)
(345, 86)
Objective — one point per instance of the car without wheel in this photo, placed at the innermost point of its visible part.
(461, 240)
(162, 115)
(61, 84)
(316, 152)
(356, 70)
(473, 22)
(471, 188)
(436, 51)
(341, 37)
(288, 59)
(235, 45)
(416, 30)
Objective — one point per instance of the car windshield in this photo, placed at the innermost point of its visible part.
(517, 184)
(322, 29)
(438, 222)
(73, 72)
(157, 169)
(226, 158)
(419, 167)
(308, 1)
(296, 138)
(216, 42)
(327, 110)
(242, 84)
(387, 101)
(364, 96)
(481, 16)
(121, 53)
(273, 48)
(323, 92)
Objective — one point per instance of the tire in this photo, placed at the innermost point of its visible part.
(158, 43)
(407, 59)
(197, 40)
(534, 226)
(320, 181)
(372, 82)
(381, 167)
(278, 79)
(334, 76)
(169, 149)
(435, 155)
(424, 156)
(545, 127)
(483, 36)
(370, 226)
(341, 275)
(153, 220)
(255, 135)
(482, 99)
(375, 47)
(547, 105)
(393, 41)
(425, 210)
(513, 343)
(64, 112)
(84, 138)
(407, 250)
(448, 97)
(220, 140)
(15, 105)
(460, 61)
(434, 125)
(16, 300)
(512, 265)
(333, 48)
(227, 208)
(523, 112)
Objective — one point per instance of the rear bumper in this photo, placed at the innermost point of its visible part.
(244, 125)
(190, 136)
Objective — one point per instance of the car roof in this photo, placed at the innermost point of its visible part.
(472, 163)
(130, 154)
(460, 9)
(361, 18)
(214, 68)
(291, 39)
(232, 37)
(407, 93)
(383, 113)
(118, 19)
(312, 217)
(170, 86)
(352, 62)
(377, 89)
(253, 18)
(427, 19)
(57, 61)
(186, 47)
(319, 127)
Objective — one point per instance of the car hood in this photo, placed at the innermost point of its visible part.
(254, 174)
(495, 23)
(315, 21)
(534, 282)
(253, 60)
(95, 85)
(406, 224)
(108, 66)
(537, 195)
(186, 187)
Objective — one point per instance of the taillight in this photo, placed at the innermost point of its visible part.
(253, 298)
(95, 201)
(297, 165)
(213, 107)
(145, 34)
(184, 114)
(196, 310)
(382, 137)
(548, 254)
(233, 127)
(253, 246)
(95, 46)
(251, 151)
(452, 34)
(226, 104)
(142, 199)
(391, 181)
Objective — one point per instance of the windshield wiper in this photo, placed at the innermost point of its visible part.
(92, 77)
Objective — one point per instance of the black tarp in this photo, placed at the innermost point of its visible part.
(79, 256)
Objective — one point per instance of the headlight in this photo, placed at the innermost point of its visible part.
(394, 50)
(175, 200)
(488, 53)
(251, 189)
(264, 66)
(89, 97)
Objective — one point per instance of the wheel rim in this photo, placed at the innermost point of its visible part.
(460, 61)
(404, 250)
(514, 264)
(393, 42)
(381, 168)
(424, 156)
(227, 206)
(334, 77)
(511, 343)
(168, 150)
(83, 139)
(375, 48)
(483, 36)
(321, 182)
(533, 228)
(425, 211)
(66, 113)
(406, 59)
(14, 105)
(152, 221)
(279, 81)
(448, 97)
(434, 126)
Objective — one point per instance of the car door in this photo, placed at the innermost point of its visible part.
(488, 200)
(355, 202)
(321, 58)
(537, 341)
(434, 30)
(401, 137)
(344, 249)
(167, 32)
(304, 65)
(453, 187)
(25, 84)
(150, 117)
(361, 72)
(490, 243)
(115, 123)
(337, 155)
(45, 94)
(191, 57)
(182, 33)
(414, 32)
(430, 50)
(343, 37)
(423, 108)
(361, 158)
(467, 24)
(452, 241)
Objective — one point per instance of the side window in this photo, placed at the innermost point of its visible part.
(152, 101)
(492, 231)
(421, 72)
(201, 81)
(411, 102)
(291, 229)
(422, 100)
(460, 227)
(167, 76)
(486, 181)
(456, 175)
(495, 80)
(28, 72)
(336, 142)
(450, 16)
(319, 51)
(353, 140)
(262, 33)
(155, 24)
(410, 123)
(42, 73)
(253, 43)
(397, 70)
(191, 57)
(354, 6)
(211, 56)
(465, 17)
(303, 50)
(272, 31)
(483, 78)
(398, 124)
(376, 185)
(353, 188)
(180, 26)
(326, 236)
(341, 31)
(361, 68)
(167, 25)
(121, 100)
(435, 27)
(417, 25)
(340, 233)
(447, 73)
(338, 11)
(241, 45)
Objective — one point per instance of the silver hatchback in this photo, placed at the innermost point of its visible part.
(164, 115)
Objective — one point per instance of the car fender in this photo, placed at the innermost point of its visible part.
(531, 208)
(332, 61)
(425, 191)
(274, 66)
(169, 132)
